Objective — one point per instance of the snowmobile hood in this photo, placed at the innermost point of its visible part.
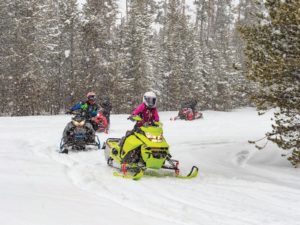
(155, 131)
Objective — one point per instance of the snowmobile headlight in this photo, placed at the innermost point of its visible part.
(75, 123)
(149, 135)
(82, 123)
(154, 138)
(78, 124)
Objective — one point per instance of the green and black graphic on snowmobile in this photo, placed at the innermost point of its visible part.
(144, 149)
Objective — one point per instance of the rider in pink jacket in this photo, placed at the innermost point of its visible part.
(147, 110)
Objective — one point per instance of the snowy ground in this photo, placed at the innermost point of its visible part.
(237, 184)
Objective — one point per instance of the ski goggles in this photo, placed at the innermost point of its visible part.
(92, 97)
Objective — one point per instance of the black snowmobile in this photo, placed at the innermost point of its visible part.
(78, 134)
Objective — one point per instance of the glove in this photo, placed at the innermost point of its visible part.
(131, 118)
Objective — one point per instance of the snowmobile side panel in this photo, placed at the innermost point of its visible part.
(112, 150)
(131, 142)
(112, 144)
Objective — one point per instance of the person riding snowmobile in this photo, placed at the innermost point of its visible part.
(90, 108)
(106, 107)
(147, 111)
(186, 107)
(143, 148)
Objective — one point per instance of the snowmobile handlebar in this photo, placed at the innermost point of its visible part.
(153, 124)
(73, 113)
(137, 118)
(134, 118)
(79, 113)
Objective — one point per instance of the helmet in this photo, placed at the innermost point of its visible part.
(194, 101)
(91, 96)
(149, 99)
(106, 100)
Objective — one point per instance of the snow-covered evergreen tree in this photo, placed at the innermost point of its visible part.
(46, 54)
(273, 62)
(70, 55)
(203, 60)
(19, 35)
(7, 37)
(97, 45)
(137, 72)
(54, 54)
(177, 55)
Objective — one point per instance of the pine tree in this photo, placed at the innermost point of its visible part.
(46, 55)
(70, 54)
(97, 45)
(7, 27)
(137, 72)
(245, 15)
(220, 53)
(273, 61)
(202, 60)
(178, 70)
(21, 49)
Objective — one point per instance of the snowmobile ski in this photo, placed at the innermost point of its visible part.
(135, 176)
(193, 173)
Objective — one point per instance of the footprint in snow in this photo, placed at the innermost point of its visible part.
(242, 157)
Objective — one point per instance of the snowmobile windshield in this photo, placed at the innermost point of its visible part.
(155, 131)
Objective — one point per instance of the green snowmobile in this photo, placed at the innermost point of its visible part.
(144, 148)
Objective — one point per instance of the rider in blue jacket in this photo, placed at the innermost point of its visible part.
(91, 109)
(89, 106)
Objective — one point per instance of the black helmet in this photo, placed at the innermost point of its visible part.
(106, 100)
(194, 101)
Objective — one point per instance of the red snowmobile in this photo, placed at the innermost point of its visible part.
(188, 114)
(101, 122)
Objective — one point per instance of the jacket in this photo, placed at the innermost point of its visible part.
(148, 115)
(106, 107)
(91, 110)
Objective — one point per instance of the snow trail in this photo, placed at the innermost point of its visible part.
(237, 184)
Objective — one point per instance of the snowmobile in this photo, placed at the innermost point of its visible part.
(101, 123)
(144, 149)
(187, 114)
(78, 134)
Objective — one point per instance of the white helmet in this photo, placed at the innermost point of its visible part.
(149, 99)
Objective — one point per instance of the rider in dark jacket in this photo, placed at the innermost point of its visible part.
(106, 107)
(190, 104)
